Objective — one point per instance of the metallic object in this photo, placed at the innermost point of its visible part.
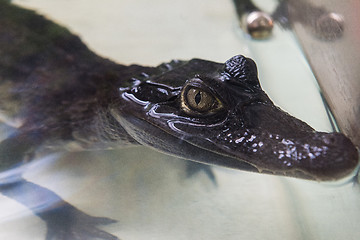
(328, 32)
(330, 26)
(259, 25)
(256, 23)
(334, 55)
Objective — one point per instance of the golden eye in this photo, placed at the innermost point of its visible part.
(199, 100)
(195, 100)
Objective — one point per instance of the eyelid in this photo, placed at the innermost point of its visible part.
(198, 83)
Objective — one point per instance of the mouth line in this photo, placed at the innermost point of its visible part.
(306, 156)
(310, 157)
(237, 160)
(188, 150)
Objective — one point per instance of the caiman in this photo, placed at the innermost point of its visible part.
(58, 94)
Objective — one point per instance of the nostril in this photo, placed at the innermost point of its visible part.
(331, 140)
(334, 139)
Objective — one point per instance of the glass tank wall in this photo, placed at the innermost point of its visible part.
(148, 193)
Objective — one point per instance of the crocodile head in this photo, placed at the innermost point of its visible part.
(218, 114)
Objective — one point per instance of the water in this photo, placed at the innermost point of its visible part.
(150, 197)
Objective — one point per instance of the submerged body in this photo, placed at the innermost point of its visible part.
(57, 93)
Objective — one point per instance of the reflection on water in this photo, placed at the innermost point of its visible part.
(152, 199)
(150, 195)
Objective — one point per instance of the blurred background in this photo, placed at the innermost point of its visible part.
(151, 197)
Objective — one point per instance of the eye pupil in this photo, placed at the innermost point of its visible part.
(196, 101)
(197, 98)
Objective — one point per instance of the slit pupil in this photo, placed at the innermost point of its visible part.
(197, 98)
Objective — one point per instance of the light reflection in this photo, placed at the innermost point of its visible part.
(131, 97)
(14, 174)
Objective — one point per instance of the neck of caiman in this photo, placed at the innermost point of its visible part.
(50, 78)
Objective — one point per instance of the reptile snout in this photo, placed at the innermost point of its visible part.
(340, 158)
(341, 144)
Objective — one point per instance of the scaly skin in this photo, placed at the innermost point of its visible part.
(54, 90)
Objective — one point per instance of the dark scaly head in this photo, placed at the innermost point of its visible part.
(218, 114)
